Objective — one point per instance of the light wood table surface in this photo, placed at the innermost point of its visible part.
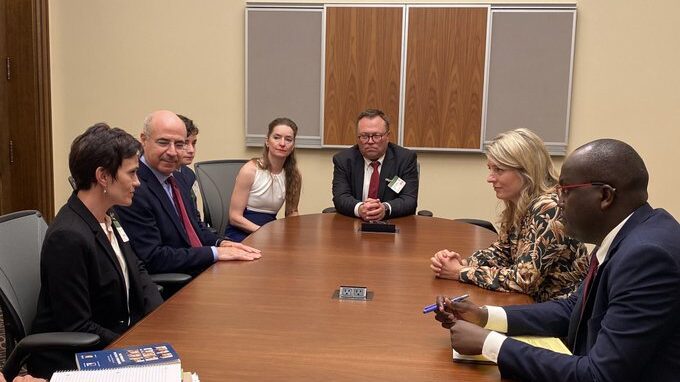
(275, 318)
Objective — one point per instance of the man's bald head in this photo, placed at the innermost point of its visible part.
(615, 163)
(163, 138)
(608, 182)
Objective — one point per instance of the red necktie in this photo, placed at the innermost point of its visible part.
(177, 197)
(592, 271)
(375, 181)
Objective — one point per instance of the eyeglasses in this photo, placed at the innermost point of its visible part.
(563, 190)
(365, 138)
(164, 143)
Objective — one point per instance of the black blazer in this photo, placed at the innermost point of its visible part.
(156, 231)
(82, 285)
(348, 180)
(630, 329)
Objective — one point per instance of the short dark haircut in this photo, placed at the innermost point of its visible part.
(99, 146)
(191, 128)
(372, 113)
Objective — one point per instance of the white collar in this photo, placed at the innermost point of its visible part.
(607, 241)
(367, 162)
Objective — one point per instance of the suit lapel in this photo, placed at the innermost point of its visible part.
(101, 238)
(358, 168)
(159, 193)
(387, 171)
(131, 263)
(577, 326)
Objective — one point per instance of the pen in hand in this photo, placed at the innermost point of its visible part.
(433, 307)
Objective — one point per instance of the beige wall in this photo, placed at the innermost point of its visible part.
(118, 60)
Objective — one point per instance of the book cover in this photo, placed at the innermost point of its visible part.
(129, 356)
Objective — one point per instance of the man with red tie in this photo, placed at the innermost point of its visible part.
(375, 179)
(162, 220)
(622, 324)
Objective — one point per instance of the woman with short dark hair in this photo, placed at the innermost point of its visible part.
(91, 280)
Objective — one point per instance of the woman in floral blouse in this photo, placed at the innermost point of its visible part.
(533, 254)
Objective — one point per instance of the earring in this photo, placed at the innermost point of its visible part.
(105, 191)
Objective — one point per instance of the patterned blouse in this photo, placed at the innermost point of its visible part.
(538, 259)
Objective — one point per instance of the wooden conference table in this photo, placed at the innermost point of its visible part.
(275, 318)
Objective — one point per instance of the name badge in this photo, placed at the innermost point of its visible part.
(122, 233)
(396, 184)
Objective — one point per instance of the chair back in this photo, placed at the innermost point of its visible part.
(21, 237)
(216, 180)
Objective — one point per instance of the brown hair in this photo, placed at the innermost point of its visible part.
(293, 176)
(373, 113)
(99, 146)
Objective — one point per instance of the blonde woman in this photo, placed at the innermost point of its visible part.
(264, 184)
(533, 255)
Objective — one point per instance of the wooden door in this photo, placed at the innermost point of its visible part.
(26, 139)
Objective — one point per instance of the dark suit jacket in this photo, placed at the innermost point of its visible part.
(156, 231)
(630, 329)
(348, 180)
(190, 179)
(189, 175)
(82, 285)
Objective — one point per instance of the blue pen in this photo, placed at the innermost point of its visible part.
(433, 307)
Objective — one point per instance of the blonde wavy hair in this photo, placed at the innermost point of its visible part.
(524, 151)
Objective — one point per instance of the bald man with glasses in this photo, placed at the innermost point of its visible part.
(375, 179)
(162, 220)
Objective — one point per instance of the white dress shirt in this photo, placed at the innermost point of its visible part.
(498, 319)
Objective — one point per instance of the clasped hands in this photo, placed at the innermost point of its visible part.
(465, 321)
(372, 210)
(447, 264)
(229, 250)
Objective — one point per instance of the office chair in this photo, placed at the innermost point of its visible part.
(478, 222)
(21, 238)
(167, 283)
(216, 180)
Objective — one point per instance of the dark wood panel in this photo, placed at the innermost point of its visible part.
(4, 120)
(445, 77)
(363, 61)
(27, 181)
(274, 319)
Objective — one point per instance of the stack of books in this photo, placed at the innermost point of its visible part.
(149, 363)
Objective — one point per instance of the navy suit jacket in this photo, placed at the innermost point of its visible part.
(82, 285)
(630, 330)
(189, 175)
(348, 180)
(156, 231)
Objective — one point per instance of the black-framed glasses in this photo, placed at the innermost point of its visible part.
(365, 138)
(563, 189)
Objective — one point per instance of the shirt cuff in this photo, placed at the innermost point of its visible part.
(497, 319)
(356, 209)
(492, 346)
(214, 252)
(388, 209)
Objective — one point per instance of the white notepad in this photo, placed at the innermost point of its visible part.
(153, 373)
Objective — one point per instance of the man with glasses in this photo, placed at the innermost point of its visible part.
(622, 324)
(162, 220)
(375, 179)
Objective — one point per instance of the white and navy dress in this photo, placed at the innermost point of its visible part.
(267, 195)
